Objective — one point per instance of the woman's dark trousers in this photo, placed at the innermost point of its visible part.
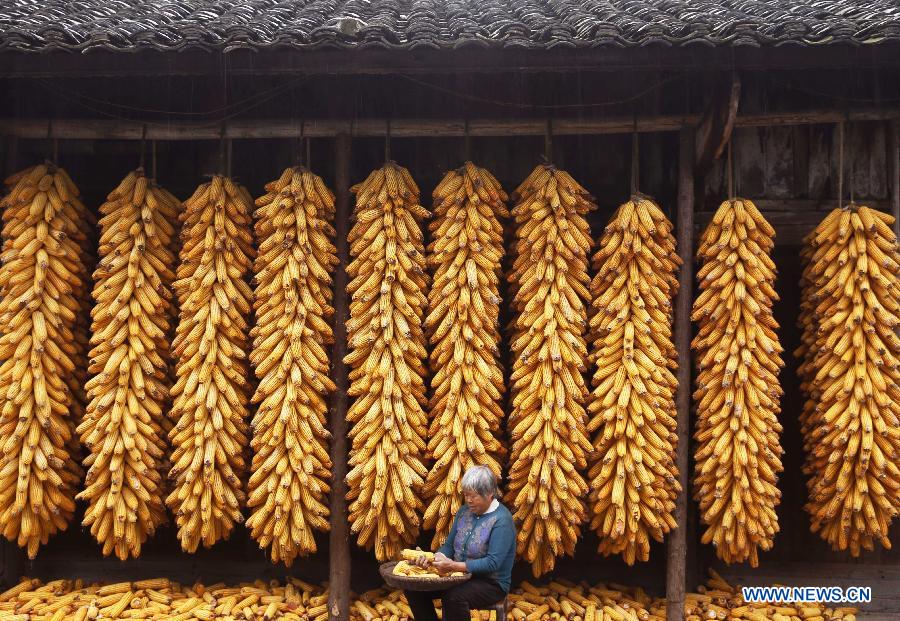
(457, 602)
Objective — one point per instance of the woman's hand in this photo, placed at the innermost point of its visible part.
(445, 566)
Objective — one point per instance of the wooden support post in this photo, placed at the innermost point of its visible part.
(12, 557)
(894, 170)
(339, 537)
(676, 560)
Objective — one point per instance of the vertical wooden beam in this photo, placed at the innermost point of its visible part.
(12, 557)
(339, 537)
(676, 560)
(894, 170)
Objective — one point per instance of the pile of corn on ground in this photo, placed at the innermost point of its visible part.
(160, 598)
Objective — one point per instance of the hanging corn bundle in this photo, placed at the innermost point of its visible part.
(806, 352)
(384, 333)
(852, 376)
(211, 390)
(125, 421)
(633, 476)
(547, 422)
(42, 281)
(738, 455)
(463, 314)
(291, 468)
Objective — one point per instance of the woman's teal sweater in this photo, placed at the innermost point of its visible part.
(487, 543)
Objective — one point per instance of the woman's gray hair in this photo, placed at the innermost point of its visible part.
(481, 480)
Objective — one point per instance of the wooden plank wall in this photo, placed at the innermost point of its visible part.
(600, 163)
(789, 172)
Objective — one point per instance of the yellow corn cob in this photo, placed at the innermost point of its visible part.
(407, 568)
(170, 601)
(851, 376)
(408, 554)
(633, 476)
(738, 455)
(291, 466)
(387, 351)
(43, 279)
(464, 305)
(125, 420)
(211, 391)
(561, 600)
(720, 600)
(547, 424)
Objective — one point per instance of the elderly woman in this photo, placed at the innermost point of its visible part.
(482, 541)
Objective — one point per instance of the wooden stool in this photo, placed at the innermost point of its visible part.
(499, 609)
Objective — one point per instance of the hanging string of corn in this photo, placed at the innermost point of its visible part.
(42, 281)
(288, 489)
(463, 318)
(851, 373)
(738, 454)
(125, 423)
(211, 391)
(547, 422)
(387, 352)
(633, 477)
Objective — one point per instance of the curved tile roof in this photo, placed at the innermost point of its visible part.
(130, 25)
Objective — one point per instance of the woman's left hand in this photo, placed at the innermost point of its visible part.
(446, 566)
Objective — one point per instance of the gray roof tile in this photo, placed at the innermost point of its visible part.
(128, 25)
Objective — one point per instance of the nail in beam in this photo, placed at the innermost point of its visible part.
(676, 553)
(339, 536)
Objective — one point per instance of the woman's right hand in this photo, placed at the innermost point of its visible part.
(422, 561)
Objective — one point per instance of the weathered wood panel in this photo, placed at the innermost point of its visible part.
(785, 164)
(778, 162)
(821, 169)
(790, 172)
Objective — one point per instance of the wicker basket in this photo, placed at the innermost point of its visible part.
(409, 583)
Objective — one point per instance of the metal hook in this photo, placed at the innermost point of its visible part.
(840, 188)
(635, 157)
(730, 171)
(222, 150)
(143, 145)
(852, 171)
(308, 150)
(153, 159)
(298, 144)
(51, 146)
(467, 153)
(548, 141)
(229, 152)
